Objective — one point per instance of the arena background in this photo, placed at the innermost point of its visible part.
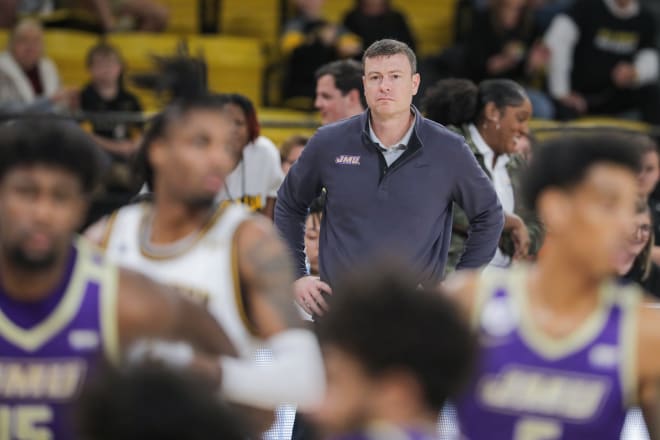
(238, 40)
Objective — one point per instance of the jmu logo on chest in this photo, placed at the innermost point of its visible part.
(42, 379)
(552, 393)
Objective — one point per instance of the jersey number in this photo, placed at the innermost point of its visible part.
(25, 422)
(531, 428)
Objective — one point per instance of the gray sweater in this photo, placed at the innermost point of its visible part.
(404, 210)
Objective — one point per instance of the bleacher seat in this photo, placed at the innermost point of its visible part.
(184, 16)
(432, 22)
(235, 64)
(4, 39)
(68, 49)
(251, 18)
(279, 124)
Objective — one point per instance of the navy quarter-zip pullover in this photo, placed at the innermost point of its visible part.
(373, 209)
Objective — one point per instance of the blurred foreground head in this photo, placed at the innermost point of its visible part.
(153, 403)
(393, 353)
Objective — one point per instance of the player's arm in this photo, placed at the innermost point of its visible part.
(146, 309)
(648, 366)
(266, 275)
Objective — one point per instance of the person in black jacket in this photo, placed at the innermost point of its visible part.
(372, 20)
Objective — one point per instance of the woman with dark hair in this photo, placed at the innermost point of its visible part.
(492, 117)
(258, 175)
(635, 263)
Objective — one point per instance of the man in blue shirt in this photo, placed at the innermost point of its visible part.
(391, 177)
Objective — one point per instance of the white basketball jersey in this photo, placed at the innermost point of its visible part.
(202, 266)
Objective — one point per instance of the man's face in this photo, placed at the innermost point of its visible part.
(389, 84)
(27, 46)
(194, 157)
(332, 104)
(348, 394)
(42, 206)
(593, 220)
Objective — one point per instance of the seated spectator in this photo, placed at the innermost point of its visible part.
(648, 182)
(339, 90)
(258, 175)
(604, 60)
(28, 79)
(308, 42)
(291, 150)
(636, 263)
(504, 43)
(491, 117)
(373, 20)
(106, 93)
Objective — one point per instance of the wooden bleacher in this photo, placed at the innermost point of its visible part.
(68, 49)
(251, 18)
(235, 64)
(184, 16)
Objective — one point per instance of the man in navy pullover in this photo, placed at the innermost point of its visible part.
(391, 178)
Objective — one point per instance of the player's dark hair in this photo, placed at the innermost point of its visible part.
(152, 403)
(460, 101)
(379, 317)
(347, 75)
(244, 103)
(159, 124)
(562, 162)
(36, 140)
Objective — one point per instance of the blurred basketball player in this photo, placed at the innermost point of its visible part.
(565, 350)
(225, 258)
(155, 403)
(393, 355)
(63, 306)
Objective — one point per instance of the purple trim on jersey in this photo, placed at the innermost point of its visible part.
(62, 365)
(29, 314)
(484, 413)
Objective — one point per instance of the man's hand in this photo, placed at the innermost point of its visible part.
(308, 292)
(624, 75)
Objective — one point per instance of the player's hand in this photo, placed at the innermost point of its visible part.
(308, 292)
(624, 75)
(576, 102)
(521, 240)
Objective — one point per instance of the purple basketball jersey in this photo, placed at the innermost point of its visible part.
(44, 366)
(529, 386)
